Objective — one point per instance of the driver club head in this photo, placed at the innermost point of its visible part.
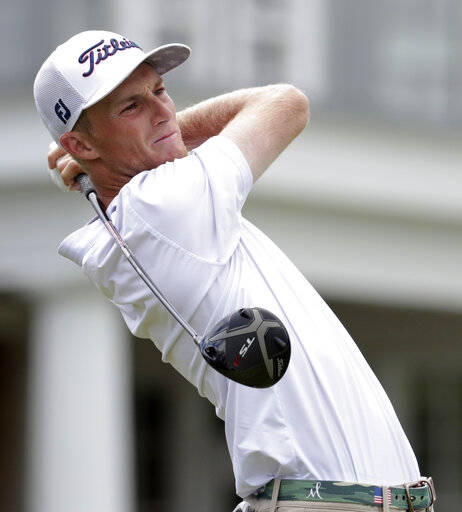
(251, 346)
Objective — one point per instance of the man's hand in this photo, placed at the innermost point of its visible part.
(63, 168)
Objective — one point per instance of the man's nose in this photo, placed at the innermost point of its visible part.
(160, 111)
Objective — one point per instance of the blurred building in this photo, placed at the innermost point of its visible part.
(366, 202)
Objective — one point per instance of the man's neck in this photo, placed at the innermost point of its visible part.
(107, 182)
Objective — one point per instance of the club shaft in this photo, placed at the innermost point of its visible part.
(93, 199)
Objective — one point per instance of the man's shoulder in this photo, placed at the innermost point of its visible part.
(217, 162)
(223, 147)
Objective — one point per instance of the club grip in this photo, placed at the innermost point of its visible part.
(86, 186)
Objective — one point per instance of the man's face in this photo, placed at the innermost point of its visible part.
(134, 128)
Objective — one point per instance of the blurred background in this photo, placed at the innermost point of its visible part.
(366, 202)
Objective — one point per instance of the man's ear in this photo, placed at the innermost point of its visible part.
(78, 144)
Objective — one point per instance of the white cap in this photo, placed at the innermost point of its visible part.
(86, 68)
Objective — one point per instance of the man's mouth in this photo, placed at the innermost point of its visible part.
(167, 136)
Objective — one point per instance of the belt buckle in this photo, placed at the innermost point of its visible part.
(424, 481)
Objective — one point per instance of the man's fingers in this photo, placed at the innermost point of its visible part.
(62, 162)
(57, 180)
(54, 153)
(63, 167)
(75, 187)
(70, 170)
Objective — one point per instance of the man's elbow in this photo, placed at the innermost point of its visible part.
(301, 107)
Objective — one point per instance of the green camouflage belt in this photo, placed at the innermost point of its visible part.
(414, 496)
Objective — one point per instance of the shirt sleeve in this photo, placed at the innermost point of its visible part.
(195, 202)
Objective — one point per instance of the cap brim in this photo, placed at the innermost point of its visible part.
(162, 59)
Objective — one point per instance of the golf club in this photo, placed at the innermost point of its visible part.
(250, 346)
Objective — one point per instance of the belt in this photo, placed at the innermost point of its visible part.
(413, 496)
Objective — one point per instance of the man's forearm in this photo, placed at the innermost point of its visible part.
(208, 118)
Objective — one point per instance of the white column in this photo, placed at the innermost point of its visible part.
(308, 52)
(80, 410)
(206, 38)
(141, 26)
(243, 18)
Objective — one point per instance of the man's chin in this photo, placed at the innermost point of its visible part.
(168, 157)
(179, 151)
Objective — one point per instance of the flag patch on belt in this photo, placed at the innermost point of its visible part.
(378, 495)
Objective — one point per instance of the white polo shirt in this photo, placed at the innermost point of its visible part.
(328, 418)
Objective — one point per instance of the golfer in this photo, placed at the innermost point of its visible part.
(326, 436)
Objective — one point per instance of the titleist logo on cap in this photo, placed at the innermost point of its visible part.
(103, 51)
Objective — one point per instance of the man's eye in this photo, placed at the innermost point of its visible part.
(130, 107)
(159, 91)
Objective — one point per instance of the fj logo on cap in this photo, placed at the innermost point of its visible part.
(103, 51)
(62, 111)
